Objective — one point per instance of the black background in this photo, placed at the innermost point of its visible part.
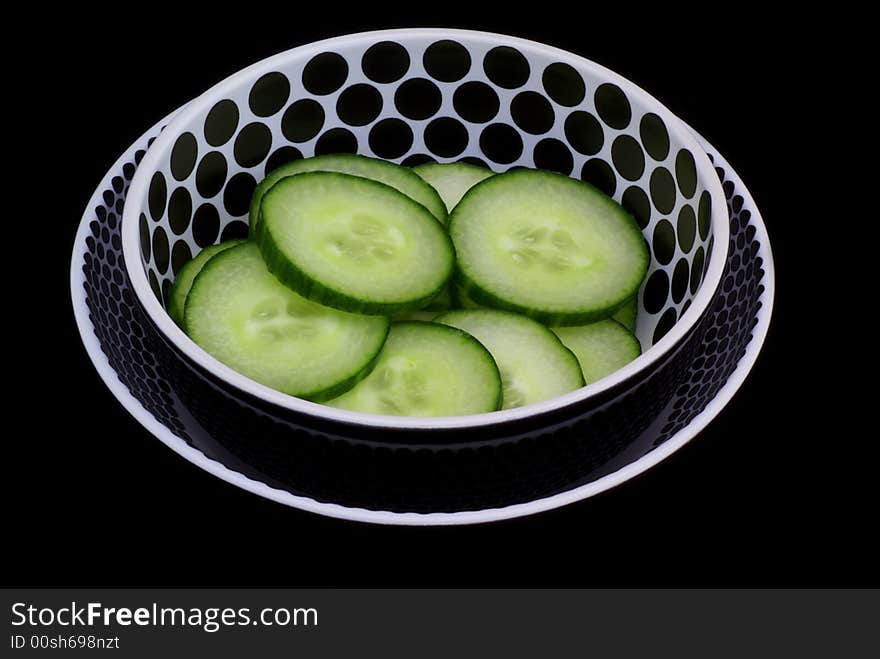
(772, 493)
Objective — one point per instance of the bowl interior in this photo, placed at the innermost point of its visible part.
(412, 96)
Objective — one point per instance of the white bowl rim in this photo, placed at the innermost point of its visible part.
(158, 316)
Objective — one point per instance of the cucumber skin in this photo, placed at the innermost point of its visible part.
(469, 294)
(464, 335)
(337, 390)
(482, 297)
(444, 317)
(634, 342)
(438, 211)
(317, 396)
(311, 289)
(626, 315)
(176, 305)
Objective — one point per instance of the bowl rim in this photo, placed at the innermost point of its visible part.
(719, 221)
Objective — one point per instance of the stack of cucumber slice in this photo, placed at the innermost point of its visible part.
(440, 290)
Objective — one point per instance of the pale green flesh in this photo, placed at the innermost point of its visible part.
(425, 369)
(560, 247)
(452, 180)
(358, 237)
(186, 276)
(398, 177)
(241, 314)
(626, 315)
(601, 348)
(534, 364)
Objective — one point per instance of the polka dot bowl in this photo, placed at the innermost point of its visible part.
(412, 96)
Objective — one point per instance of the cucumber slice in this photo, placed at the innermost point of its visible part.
(426, 316)
(426, 369)
(353, 244)
(442, 302)
(398, 177)
(547, 246)
(626, 315)
(534, 364)
(242, 315)
(601, 348)
(452, 179)
(183, 281)
(461, 300)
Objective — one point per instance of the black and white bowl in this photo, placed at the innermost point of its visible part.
(419, 94)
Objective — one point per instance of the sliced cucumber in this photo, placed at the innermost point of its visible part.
(452, 179)
(183, 281)
(601, 348)
(426, 369)
(533, 362)
(626, 315)
(398, 177)
(353, 244)
(442, 302)
(542, 244)
(242, 315)
(461, 300)
(420, 314)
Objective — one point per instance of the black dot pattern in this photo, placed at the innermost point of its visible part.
(418, 98)
(564, 84)
(211, 174)
(179, 210)
(446, 137)
(599, 173)
(476, 102)
(730, 321)
(613, 106)
(336, 140)
(628, 157)
(447, 61)
(358, 105)
(584, 132)
(221, 122)
(238, 192)
(506, 67)
(183, 156)
(553, 155)
(282, 156)
(325, 73)
(391, 138)
(302, 120)
(253, 144)
(532, 112)
(654, 136)
(269, 94)
(501, 143)
(385, 62)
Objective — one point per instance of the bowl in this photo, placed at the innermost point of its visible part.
(411, 96)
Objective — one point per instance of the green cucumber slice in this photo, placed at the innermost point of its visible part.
(452, 179)
(533, 362)
(461, 300)
(442, 302)
(420, 314)
(601, 348)
(242, 315)
(353, 244)
(547, 246)
(398, 177)
(426, 369)
(626, 315)
(183, 281)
